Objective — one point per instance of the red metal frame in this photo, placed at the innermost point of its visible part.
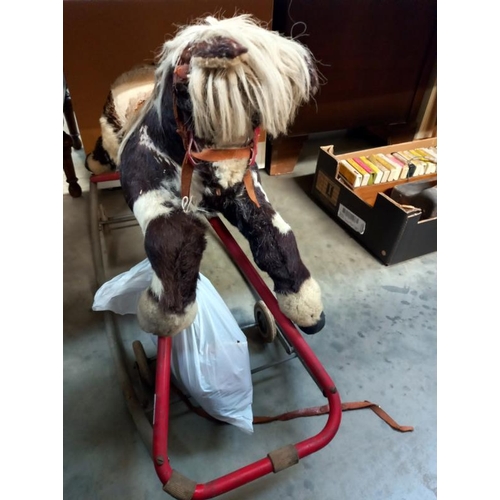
(263, 466)
(109, 176)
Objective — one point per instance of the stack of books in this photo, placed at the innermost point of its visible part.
(380, 168)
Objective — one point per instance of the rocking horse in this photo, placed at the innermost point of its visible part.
(183, 134)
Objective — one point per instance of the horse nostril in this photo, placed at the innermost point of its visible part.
(219, 47)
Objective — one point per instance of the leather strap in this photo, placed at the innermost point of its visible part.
(179, 486)
(248, 180)
(308, 412)
(186, 176)
(210, 155)
(188, 169)
(283, 458)
(322, 410)
(360, 405)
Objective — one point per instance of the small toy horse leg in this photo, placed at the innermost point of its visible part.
(275, 251)
(174, 242)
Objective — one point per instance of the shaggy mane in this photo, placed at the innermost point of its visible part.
(267, 84)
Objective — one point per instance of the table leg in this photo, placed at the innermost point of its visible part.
(69, 169)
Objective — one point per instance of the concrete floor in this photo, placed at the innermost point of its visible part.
(379, 344)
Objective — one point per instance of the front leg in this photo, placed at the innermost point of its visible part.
(275, 251)
(174, 242)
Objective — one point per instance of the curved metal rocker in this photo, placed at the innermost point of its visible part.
(156, 439)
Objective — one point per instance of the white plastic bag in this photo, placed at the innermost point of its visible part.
(121, 294)
(210, 359)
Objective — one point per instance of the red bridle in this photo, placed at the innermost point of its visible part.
(189, 163)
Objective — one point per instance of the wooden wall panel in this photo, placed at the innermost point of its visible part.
(102, 39)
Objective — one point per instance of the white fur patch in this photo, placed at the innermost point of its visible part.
(258, 185)
(230, 172)
(109, 139)
(96, 167)
(130, 89)
(150, 205)
(304, 307)
(129, 98)
(152, 320)
(280, 224)
(156, 286)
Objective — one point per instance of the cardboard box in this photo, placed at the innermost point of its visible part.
(390, 232)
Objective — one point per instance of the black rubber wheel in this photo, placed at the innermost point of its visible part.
(265, 321)
(142, 363)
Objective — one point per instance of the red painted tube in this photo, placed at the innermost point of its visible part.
(287, 327)
(252, 471)
(233, 480)
(264, 466)
(111, 176)
(162, 409)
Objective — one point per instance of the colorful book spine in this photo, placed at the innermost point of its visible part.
(397, 166)
(350, 174)
(391, 167)
(425, 154)
(364, 174)
(405, 156)
(419, 162)
(404, 165)
(433, 154)
(430, 152)
(378, 172)
(416, 159)
(365, 167)
(428, 162)
(387, 168)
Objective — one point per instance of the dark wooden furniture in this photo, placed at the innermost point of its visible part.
(377, 58)
(103, 39)
(71, 141)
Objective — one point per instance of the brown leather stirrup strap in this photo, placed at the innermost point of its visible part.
(322, 410)
(248, 180)
(360, 405)
(291, 415)
(186, 176)
(217, 155)
(211, 155)
(307, 412)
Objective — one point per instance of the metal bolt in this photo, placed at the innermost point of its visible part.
(159, 460)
